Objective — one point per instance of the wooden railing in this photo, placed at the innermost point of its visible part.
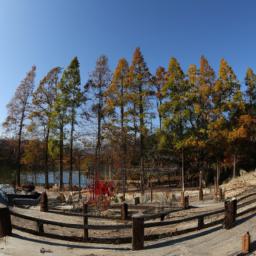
(140, 222)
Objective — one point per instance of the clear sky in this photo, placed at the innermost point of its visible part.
(51, 32)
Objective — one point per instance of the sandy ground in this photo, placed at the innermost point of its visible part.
(212, 241)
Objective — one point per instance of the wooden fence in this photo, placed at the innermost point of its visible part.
(141, 222)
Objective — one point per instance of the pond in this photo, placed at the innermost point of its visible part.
(8, 176)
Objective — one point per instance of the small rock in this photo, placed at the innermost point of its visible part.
(42, 250)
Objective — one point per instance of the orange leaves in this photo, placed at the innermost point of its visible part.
(225, 72)
(242, 131)
(192, 76)
(246, 120)
(174, 71)
(197, 108)
(238, 133)
(205, 90)
(218, 86)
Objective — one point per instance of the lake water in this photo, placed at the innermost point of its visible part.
(38, 177)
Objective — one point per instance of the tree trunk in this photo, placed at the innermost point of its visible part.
(134, 124)
(141, 111)
(46, 159)
(200, 179)
(182, 170)
(123, 143)
(18, 161)
(98, 145)
(160, 116)
(217, 176)
(79, 175)
(234, 165)
(19, 149)
(61, 156)
(71, 152)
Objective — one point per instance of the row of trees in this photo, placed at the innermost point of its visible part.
(197, 119)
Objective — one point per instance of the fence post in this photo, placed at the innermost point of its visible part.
(85, 217)
(40, 227)
(246, 240)
(151, 191)
(200, 222)
(124, 211)
(215, 188)
(182, 199)
(5, 222)
(137, 232)
(201, 194)
(230, 213)
(234, 209)
(44, 202)
(136, 200)
(200, 186)
(220, 194)
(185, 201)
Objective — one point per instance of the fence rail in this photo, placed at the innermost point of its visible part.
(143, 221)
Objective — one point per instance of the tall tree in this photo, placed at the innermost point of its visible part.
(175, 108)
(70, 86)
(43, 102)
(140, 79)
(201, 84)
(60, 118)
(99, 81)
(227, 106)
(18, 109)
(117, 100)
(159, 82)
(250, 82)
(250, 94)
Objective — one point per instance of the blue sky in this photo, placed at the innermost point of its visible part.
(51, 32)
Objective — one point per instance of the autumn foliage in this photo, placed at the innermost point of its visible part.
(195, 119)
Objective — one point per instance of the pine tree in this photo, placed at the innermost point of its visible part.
(18, 109)
(250, 82)
(70, 86)
(140, 79)
(60, 118)
(200, 96)
(159, 82)
(175, 108)
(117, 101)
(227, 106)
(100, 79)
(41, 115)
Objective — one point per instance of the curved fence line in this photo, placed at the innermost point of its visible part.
(139, 223)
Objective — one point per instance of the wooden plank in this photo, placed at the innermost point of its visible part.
(165, 223)
(70, 225)
(246, 203)
(246, 196)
